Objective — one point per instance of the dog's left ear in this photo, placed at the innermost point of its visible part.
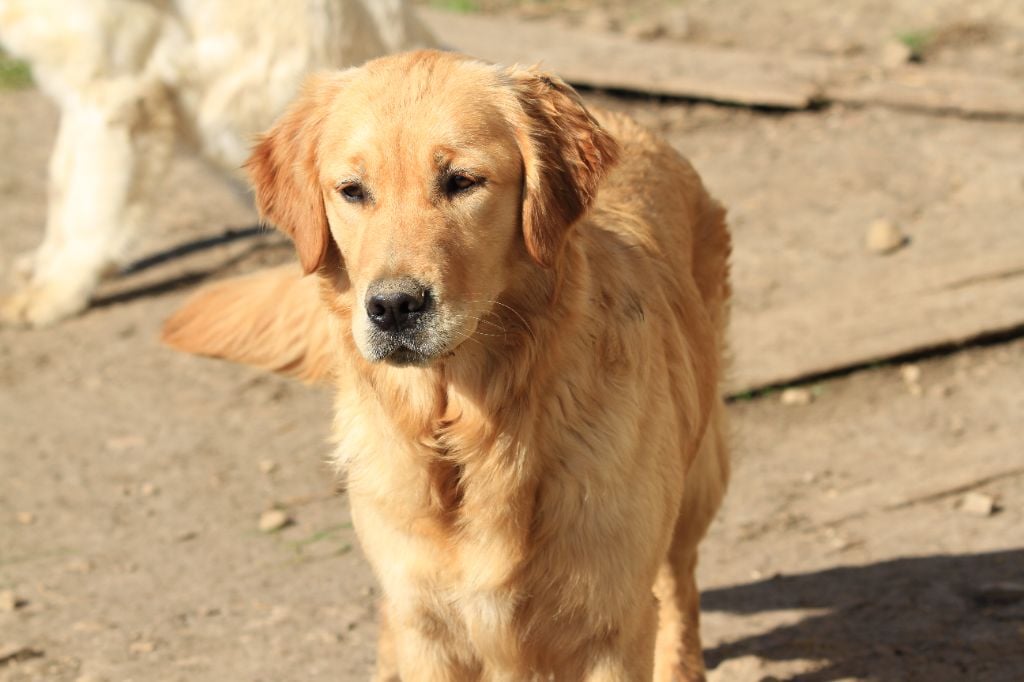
(565, 153)
(283, 170)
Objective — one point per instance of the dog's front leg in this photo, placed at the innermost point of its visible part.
(419, 648)
(387, 663)
(113, 141)
(629, 655)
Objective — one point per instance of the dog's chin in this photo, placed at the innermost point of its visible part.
(418, 347)
(408, 357)
(398, 353)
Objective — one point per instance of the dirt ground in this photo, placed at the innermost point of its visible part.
(856, 543)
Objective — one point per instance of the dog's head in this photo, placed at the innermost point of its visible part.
(422, 185)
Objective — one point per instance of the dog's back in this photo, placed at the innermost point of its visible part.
(653, 180)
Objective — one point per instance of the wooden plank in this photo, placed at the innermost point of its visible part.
(730, 75)
(935, 89)
(846, 329)
(615, 62)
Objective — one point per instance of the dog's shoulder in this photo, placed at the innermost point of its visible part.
(654, 199)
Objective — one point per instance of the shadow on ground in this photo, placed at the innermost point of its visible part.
(945, 617)
(158, 279)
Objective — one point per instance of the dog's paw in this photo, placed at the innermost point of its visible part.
(23, 269)
(39, 305)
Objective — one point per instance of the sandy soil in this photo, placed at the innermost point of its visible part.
(986, 35)
(132, 479)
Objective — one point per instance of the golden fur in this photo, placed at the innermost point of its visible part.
(549, 446)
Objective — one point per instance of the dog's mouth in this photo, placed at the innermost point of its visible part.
(403, 350)
(403, 356)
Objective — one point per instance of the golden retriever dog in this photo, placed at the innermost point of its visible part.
(132, 77)
(522, 305)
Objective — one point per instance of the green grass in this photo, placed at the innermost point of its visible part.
(324, 534)
(463, 6)
(14, 73)
(917, 42)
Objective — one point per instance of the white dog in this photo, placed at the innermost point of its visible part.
(132, 77)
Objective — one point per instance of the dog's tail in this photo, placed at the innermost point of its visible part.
(272, 319)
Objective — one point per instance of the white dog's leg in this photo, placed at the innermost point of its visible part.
(109, 148)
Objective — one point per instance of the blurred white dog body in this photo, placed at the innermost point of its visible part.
(132, 77)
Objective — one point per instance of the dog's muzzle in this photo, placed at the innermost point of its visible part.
(401, 312)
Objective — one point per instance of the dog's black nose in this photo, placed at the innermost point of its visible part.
(395, 305)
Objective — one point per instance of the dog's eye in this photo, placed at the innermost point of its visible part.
(459, 182)
(353, 192)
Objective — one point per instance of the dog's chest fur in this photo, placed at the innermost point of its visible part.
(473, 520)
(442, 500)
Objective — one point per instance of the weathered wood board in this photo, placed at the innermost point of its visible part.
(837, 329)
(717, 74)
(810, 297)
(615, 62)
(934, 89)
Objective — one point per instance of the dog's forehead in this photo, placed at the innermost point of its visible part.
(419, 107)
(434, 91)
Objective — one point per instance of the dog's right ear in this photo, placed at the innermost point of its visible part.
(566, 154)
(283, 169)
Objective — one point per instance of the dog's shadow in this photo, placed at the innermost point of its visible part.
(945, 617)
(167, 270)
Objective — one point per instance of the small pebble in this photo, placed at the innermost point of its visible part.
(26, 518)
(896, 53)
(884, 237)
(90, 678)
(839, 544)
(268, 466)
(127, 442)
(143, 647)
(911, 374)
(796, 396)
(273, 520)
(978, 504)
(646, 29)
(599, 20)
(9, 602)
(148, 489)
